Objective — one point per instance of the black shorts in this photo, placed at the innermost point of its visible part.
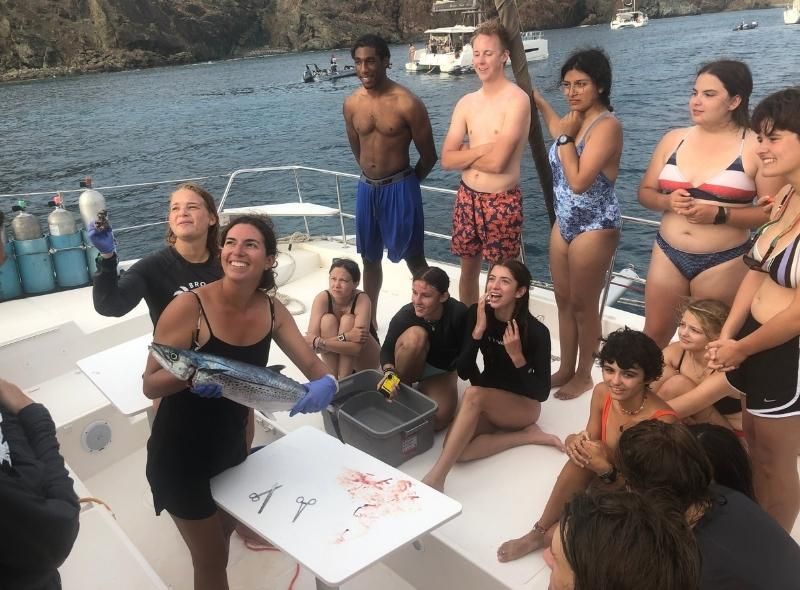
(769, 379)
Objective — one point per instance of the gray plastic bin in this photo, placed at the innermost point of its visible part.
(390, 431)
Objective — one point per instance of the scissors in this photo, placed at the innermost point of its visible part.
(302, 501)
(256, 497)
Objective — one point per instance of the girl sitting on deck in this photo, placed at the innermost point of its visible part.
(500, 409)
(630, 362)
(339, 327)
(686, 367)
(424, 341)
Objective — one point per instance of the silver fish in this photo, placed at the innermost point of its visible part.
(256, 387)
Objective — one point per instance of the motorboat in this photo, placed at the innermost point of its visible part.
(791, 16)
(628, 17)
(313, 73)
(47, 339)
(743, 26)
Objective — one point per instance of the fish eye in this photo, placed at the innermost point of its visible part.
(173, 356)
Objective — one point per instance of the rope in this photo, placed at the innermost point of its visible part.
(93, 500)
(255, 546)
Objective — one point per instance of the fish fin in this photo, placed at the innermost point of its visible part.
(276, 368)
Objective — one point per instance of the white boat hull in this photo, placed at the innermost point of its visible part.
(629, 20)
(536, 49)
(791, 16)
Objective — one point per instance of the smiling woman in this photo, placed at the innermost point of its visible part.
(197, 433)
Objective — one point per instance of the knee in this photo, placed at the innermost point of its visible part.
(416, 264)
(329, 325)
(346, 322)
(474, 399)
(675, 386)
(414, 339)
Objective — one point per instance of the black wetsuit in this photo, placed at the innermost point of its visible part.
(194, 438)
(743, 548)
(156, 278)
(39, 508)
(531, 380)
(445, 335)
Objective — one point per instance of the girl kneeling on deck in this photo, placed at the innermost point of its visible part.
(424, 341)
(630, 362)
(198, 434)
(339, 328)
(500, 409)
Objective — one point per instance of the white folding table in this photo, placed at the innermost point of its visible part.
(117, 373)
(332, 507)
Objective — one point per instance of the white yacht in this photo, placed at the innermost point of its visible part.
(628, 17)
(449, 50)
(122, 545)
(791, 16)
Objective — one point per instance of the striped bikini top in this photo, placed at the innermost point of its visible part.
(783, 267)
(731, 187)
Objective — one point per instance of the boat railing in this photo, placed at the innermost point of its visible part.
(531, 35)
(304, 190)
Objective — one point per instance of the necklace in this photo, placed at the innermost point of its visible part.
(634, 412)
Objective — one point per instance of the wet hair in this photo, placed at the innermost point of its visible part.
(738, 81)
(351, 266)
(264, 226)
(493, 28)
(594, 63)
(212, 238)
(625, 541)
(729, 460)
(710, 313)
(374, 41)
(632, 349)
(780, 110)
(656, 457)
(435, 277)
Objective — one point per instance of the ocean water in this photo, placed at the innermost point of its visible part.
(210, 119)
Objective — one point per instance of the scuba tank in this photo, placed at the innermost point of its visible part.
(90, 203)
(25, 226)
(60, 221)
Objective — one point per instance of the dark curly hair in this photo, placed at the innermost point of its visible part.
(594, 63)
(264, 226)
(632, 349)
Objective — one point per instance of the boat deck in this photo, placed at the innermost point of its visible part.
(501, 496)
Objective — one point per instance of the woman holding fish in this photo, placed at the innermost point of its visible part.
(197, 433)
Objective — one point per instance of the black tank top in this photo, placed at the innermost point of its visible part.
(201, 437)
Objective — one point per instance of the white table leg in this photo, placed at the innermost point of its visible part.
(323, 586)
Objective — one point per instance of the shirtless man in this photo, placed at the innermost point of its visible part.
(382, 119)
(487, 219)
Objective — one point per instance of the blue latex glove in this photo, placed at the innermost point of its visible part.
(207, 389)
(319, 396)
(102, 239)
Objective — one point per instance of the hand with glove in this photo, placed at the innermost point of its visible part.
(101, 238)
(208, 390)
(319, 396)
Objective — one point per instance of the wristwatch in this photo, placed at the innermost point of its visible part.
(341, 337)
(564, 139)
(722, 216)
(609, 476)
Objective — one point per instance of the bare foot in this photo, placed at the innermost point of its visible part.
(561, 377)
(537, 436)
(434, 482)
(516, 548)
(575, 387)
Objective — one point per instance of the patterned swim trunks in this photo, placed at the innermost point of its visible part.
(487, 223)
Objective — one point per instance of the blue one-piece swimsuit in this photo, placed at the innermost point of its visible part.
(597, 208)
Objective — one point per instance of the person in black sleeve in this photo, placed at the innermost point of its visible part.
(500, 409)
(424, 341)
(741, 545)
(39, 511)
(190, 260)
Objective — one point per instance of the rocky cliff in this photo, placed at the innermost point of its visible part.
(49, 37)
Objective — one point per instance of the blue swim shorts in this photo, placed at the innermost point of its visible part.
(389, 214)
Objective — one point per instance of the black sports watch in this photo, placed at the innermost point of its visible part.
(341, 337)
(564, 139)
